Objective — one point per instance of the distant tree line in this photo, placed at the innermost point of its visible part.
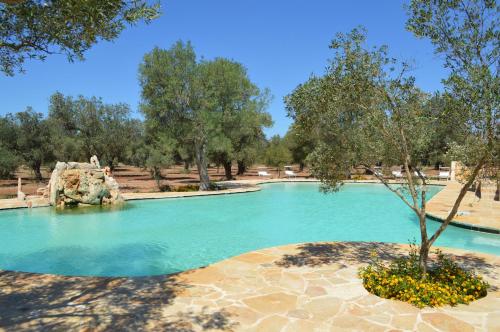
(196, 112)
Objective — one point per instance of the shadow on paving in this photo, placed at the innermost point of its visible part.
(316, 254)
(47, 302)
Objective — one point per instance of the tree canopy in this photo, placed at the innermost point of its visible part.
(34, 29)
(211, 106)
(366, 110)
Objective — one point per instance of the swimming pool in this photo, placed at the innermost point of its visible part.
(163, 236)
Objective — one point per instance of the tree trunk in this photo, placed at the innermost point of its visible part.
(423, 257)
(424, 241)
(301, 166)
(186, 165)
(38, 173)
(156, 176)
(241, 168)
(201, 164)
(497, 192)
(227, 169)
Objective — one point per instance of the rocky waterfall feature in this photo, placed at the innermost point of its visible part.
(73, 183)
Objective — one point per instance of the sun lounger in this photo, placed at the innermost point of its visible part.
(397, 174)
(290, 174)
(444, 175)
(263, 173)
(421, 174)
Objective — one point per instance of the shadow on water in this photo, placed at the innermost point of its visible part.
(123, 260)
(343, 254)
(47, 302)
(84, 209)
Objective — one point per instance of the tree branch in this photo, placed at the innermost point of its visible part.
(459, 199)
(385, 183)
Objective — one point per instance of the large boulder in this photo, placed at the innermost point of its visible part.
(82, 183)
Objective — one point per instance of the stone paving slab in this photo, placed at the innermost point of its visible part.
(302, 287)
(472, 212)
(14, 203)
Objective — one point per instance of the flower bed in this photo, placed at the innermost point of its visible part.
(446, 283)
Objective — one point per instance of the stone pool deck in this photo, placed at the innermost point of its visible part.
(473, 213)
(303, 287)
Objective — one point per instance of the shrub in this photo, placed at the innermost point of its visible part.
(446, 283)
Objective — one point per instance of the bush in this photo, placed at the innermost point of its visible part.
(8, 163)
(445, 284)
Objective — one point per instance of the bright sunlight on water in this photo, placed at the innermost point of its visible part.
(164, 236)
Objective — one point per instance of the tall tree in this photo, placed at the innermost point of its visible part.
(467, 34)
(33, 140)
(172, 94)
(202, 105)
(250, 139)
(9, 160)
(64, 130)
(34, 29)
(237, 111)
(366, 110)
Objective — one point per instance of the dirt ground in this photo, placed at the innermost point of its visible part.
(135, 179)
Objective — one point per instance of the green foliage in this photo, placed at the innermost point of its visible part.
(83, 127)
(403, 279)
(9, 162)
(158, 155)
(366, 110)
(300, 144)
(360, 112)
(467, 34)
(33, 140)
(210, 108)
(277, 153)
(237, 113)
(34, 29)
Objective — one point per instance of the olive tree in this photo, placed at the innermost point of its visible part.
(365, 110)
(172, 93)
(33, 140)
(277, 154)
(467, 34)
(34, 29)
(9, 160)
(237, 109)
(202, 105)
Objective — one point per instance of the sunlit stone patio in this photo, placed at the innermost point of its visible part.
(303, 287)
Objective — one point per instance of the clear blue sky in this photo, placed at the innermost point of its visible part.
(281, 42)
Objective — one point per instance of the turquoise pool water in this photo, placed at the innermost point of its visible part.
(164, 236)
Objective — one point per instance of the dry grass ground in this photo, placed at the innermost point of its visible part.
(136, 179)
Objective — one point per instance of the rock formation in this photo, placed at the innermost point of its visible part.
(74, 183)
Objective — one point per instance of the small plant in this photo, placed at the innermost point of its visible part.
(186, 188)
(446, 283)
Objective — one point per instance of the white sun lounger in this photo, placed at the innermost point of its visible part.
(290, 173)
(421, 173)
(263, 173)
(397, 174)
(444, 175)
